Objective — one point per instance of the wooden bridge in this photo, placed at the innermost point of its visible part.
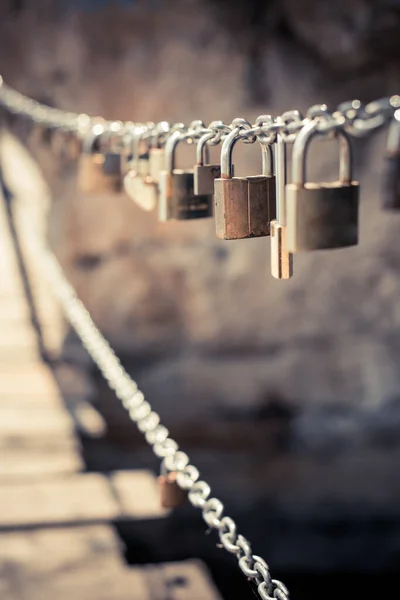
(57, 538)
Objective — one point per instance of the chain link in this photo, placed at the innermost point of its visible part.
(148, 422)
(353, 116)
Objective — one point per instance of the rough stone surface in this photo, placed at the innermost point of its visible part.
(246, 370)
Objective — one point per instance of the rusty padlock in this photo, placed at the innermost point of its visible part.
(244, 206)
(391, 171)
(321, 215)
(137, 184)
(99, 170)
(177, 197)
(171, 495)
(281, 259)
(204, 173)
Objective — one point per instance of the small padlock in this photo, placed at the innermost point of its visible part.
(281, 259)
(244, 206)
(177, 197)
(171, 495)
(321, 215)
(204, 173)
(99, 172)
(136, 181)
(391, 171)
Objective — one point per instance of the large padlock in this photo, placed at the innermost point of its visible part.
(321, 215)
(281, 259)
(137, 183)
(99, 172)
(177, 197)
(171, 495)
(391, 170)
(244, 206)
(204, 173)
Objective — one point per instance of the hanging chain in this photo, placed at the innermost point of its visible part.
(148, 422)
(353, 116)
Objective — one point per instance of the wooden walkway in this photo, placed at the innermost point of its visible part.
(56, 533)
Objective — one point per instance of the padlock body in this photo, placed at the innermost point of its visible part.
(184, 203)
(321, 216)
(244, 206)
(171, 495)
(281, 259)
(100, 173)
(204, 177)
(156, 163)
(145, 195)
(262, 204)
(391, 183)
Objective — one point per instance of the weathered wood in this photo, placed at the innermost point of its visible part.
(86, 563)
(81, 498)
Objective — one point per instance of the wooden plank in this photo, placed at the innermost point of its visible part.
(27, 380)
(86, 563)
(34, 423)
(80, 498)
(77, 499)
(19, 465)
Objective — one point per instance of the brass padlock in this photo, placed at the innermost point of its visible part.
(137, 184)
(281, 259)
(244, 206)
(177, 197)
(204, 173)
(391, 172)
(171, 495)
(99, 171)
(321, 215)
(157, 152)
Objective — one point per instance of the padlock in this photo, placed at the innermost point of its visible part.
(391, 171)
(171, 495)
(99, 172)
(244, 206)
(321, 215)
(177, 197)
(204, 173)
(136, 183)
(157, 152)
(281, 259)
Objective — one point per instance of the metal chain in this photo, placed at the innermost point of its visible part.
(353, 116)
(148, 421)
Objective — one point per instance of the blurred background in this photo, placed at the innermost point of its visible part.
(286, 394)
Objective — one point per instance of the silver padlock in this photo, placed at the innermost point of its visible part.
(244, 206)
(281, 259)
(391, 170)
(99, 171)
(177, 197)
(204, 173)
(136, 183)
(321, 215)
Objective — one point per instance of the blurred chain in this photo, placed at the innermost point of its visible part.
(148, 421)
(353, 116)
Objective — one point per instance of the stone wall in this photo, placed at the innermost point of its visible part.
(287, 393)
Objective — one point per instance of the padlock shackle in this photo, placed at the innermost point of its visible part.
(91, 138)
(138, 133)
(170, 148)
(300, 148)
(267, 160)
(281, 176)
(202, 151)
(226, 153)
(393, 141)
